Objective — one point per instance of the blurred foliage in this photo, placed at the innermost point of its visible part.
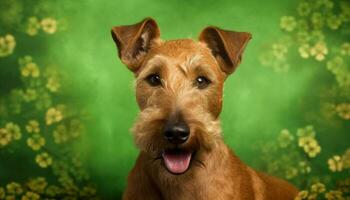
(318, 34)
(37, 116)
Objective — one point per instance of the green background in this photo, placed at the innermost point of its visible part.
(258, 102)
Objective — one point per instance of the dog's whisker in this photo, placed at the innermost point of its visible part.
(200, 163)
(156, 159)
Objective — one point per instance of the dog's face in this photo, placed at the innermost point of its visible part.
(179, 87)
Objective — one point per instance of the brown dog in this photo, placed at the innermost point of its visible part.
(179, 86)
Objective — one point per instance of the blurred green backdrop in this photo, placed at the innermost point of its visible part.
(286, 82)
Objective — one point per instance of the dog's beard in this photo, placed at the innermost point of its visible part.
(147, 131)
(176, 159)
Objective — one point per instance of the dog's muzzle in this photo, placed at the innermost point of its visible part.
(176, 160)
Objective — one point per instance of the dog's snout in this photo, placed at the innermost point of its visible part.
(176, 133)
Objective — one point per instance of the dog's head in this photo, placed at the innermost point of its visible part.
(179, 86)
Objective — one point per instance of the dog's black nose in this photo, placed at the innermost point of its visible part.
(176, 133)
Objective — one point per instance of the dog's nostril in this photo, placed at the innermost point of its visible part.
(168, 134)
(177, 133)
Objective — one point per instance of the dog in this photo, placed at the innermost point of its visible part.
(179, 90)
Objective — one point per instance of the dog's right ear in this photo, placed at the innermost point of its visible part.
(134, 41)
(226, 46)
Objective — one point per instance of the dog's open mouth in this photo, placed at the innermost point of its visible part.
(177, 161)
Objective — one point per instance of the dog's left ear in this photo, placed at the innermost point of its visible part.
(226, 46)
(134, 41)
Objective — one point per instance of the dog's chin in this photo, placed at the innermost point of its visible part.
(177, 161)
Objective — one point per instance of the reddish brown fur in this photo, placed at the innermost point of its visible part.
(215, 171)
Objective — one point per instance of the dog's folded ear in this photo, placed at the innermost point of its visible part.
(226, 46)
(134, 41)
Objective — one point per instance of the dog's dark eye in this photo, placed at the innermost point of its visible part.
(202, 82)
(154, 80)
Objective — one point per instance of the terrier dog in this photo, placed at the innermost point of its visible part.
(179, 89)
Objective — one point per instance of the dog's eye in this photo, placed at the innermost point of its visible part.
(154, 80)
(202, 82)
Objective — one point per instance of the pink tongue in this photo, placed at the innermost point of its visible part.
(178, 162)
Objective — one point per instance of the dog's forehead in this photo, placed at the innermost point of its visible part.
(182, 47)
(184, 53)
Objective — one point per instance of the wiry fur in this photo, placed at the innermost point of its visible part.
(215, 172)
